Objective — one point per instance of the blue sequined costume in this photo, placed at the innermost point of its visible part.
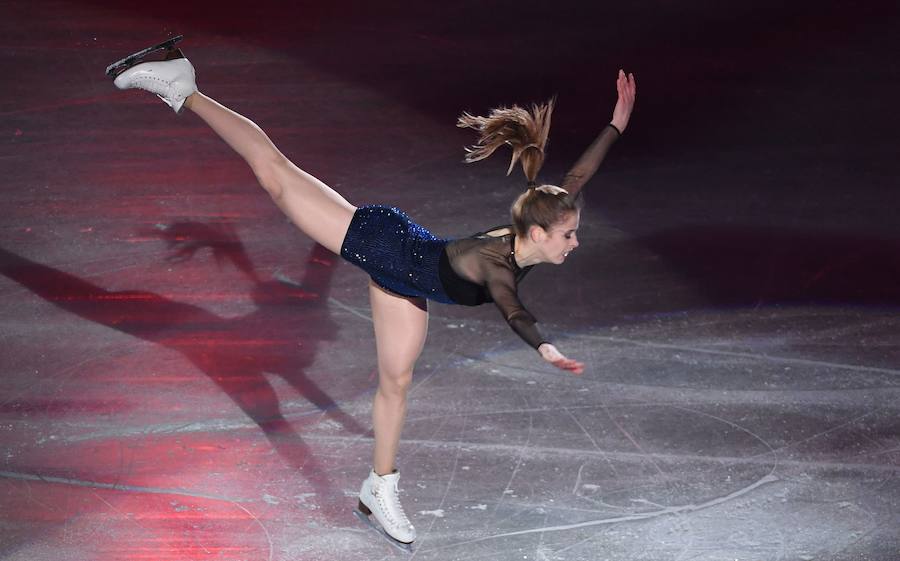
(407, 259)
(397, 253)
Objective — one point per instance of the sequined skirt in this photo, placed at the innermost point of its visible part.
(397, 253)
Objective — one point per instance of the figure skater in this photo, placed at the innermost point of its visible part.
(407, 264)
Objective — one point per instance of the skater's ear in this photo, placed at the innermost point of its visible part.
(536, 233)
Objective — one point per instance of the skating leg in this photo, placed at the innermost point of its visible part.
(401, 325)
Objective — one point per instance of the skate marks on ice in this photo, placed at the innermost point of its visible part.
(507, 402)
(798, 449)
(118, 486)
(674, 510)
(454, 469)
(746, 519)
(746, 355)
(663, 469)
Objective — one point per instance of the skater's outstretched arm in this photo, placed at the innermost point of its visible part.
(185, 239)
(502, 288)
(587, 165)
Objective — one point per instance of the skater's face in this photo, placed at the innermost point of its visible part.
(560, 239)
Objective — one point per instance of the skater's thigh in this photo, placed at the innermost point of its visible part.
(317, 209)
(401, 325)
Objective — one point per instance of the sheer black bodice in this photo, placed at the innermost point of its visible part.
(482, 268)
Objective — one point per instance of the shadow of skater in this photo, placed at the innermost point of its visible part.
(280, 337)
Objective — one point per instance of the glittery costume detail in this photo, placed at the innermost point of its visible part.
(397, 253)
(407, 259)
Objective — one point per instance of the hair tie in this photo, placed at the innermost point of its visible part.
(552, 190)
(532, 184)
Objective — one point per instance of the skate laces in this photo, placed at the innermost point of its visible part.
(389, 497)
(173, 80)
(152, 83)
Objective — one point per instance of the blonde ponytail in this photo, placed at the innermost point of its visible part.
(524, 131)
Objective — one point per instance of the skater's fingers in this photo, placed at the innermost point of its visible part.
(569, 365)
(575, 367)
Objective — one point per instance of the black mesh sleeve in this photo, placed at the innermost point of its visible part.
(503, 291)
(587, 165)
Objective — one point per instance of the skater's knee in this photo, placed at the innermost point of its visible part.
(396, 383)
(270, 172)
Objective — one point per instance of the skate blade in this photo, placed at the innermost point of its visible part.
(405, 547)
(120, 66)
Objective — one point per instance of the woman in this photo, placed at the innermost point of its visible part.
(407, 264)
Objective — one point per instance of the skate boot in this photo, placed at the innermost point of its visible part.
(380, 497)
(171, 79)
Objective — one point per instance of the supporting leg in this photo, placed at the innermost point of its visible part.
(401, 325)
(400, 328)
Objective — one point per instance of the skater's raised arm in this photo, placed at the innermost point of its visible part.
(587, 165)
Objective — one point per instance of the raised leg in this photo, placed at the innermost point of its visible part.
(317, 209)
(401, 325)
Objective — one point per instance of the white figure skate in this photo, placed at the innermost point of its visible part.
(380, 497)
(171, 79)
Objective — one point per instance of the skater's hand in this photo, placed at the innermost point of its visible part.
(552, 355)
(627, 91)
(185, 239)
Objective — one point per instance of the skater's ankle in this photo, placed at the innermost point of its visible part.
(189, 100)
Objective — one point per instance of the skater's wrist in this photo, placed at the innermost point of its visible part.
(546, 349)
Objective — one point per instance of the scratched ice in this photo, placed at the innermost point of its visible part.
(184, 375)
